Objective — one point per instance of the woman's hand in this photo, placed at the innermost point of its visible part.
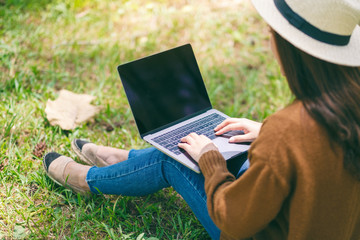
(196, 145)
(250, 128)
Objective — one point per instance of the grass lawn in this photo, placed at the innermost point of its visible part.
(76, 45)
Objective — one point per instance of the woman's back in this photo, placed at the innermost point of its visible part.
(321, 198)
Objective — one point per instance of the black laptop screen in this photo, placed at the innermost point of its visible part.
(164, 88)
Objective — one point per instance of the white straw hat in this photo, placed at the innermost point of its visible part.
(326, 29)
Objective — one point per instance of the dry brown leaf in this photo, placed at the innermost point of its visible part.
(70, 109)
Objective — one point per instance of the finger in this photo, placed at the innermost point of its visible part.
(232, 126)
(193, 135)
(184, 146)
(189, 138)
(224, 123)
(241, 138)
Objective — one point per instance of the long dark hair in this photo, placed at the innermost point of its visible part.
(330, 93)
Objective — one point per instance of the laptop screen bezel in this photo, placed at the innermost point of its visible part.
(186, 47)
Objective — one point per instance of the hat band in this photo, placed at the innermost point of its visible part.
(307, 28)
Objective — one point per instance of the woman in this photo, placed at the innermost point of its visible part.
(303, 181)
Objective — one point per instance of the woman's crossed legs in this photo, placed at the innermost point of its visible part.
(147, 171)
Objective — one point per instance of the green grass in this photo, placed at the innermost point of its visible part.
(46, 46)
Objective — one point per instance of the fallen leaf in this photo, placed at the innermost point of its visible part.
(70, 109)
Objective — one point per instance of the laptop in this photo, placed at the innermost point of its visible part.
(168, 99)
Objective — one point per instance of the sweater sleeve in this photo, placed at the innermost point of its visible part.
(242, 207)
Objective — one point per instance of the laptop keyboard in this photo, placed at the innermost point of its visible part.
(204, 126)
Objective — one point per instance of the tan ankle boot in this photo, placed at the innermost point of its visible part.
(55, 166)
(86, 151)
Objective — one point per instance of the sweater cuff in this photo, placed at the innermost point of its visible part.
(211, 161)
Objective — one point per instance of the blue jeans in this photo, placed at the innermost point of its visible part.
(148, 171)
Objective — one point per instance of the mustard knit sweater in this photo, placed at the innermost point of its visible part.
(296, 186)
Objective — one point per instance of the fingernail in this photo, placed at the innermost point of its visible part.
(231, 139)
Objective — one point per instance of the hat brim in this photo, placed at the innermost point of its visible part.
(348, 55)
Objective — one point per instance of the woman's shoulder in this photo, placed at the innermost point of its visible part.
(292, 112)
(293, 116)
(283, 132)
